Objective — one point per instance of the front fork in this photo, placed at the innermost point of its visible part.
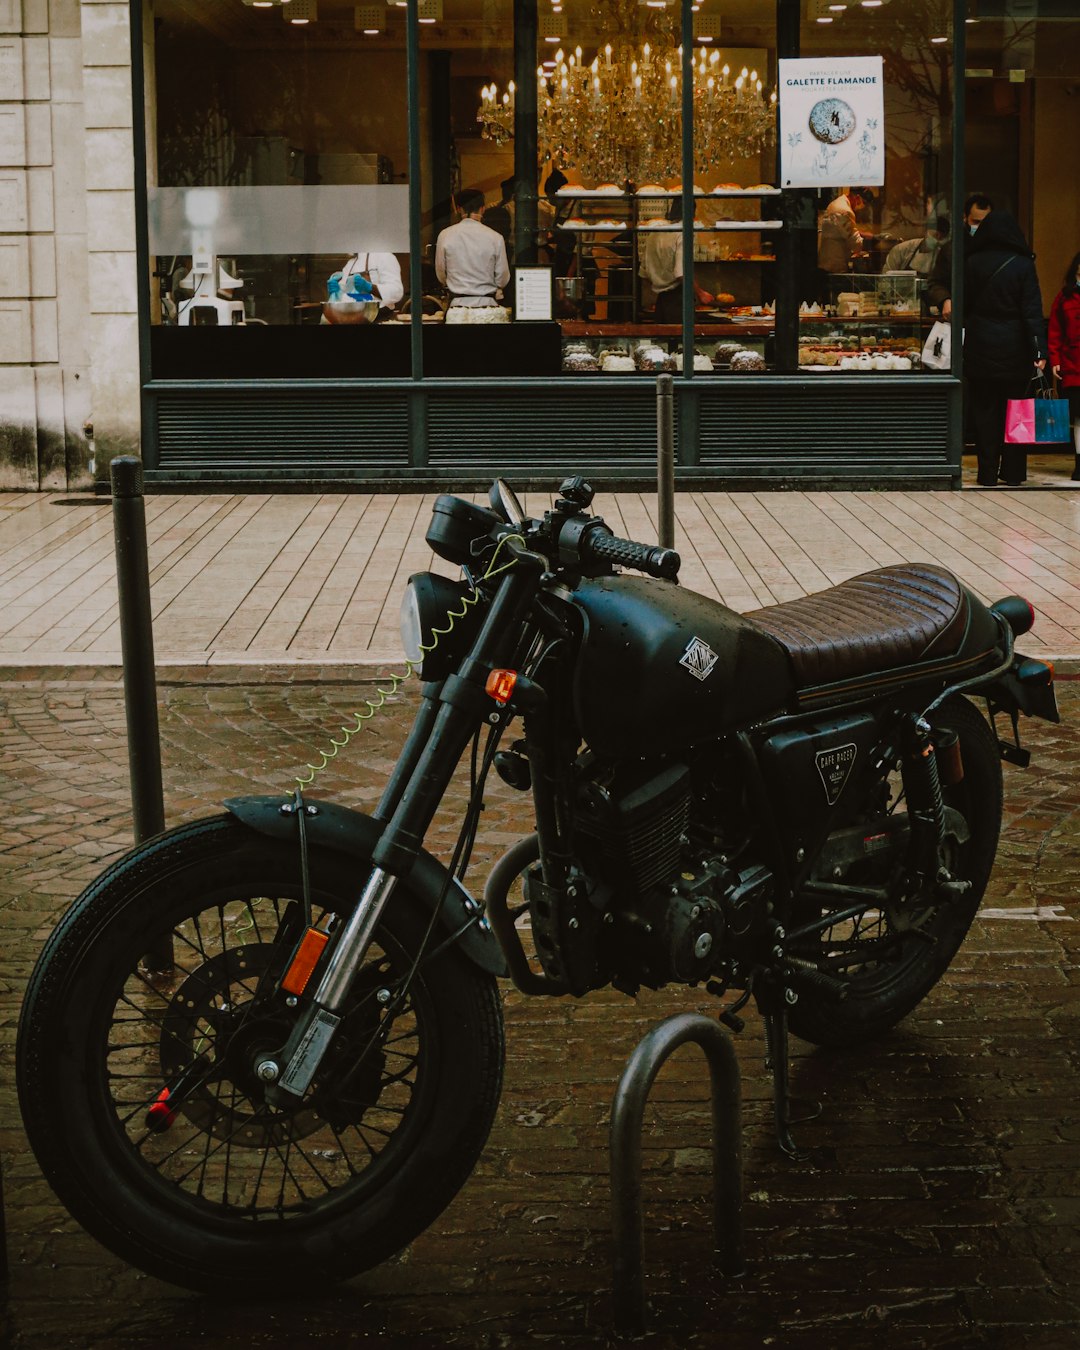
(463, 705)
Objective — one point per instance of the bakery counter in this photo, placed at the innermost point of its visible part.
(352, 351)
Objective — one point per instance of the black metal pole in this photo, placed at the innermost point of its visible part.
(688, 203)
(137, 646)
(665, 461)
(416, 285)
(627, 1115)
(525, 133)
(797, 214)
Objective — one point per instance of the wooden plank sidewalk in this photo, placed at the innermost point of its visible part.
(289, 578)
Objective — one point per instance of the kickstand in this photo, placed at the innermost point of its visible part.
(776, 1059)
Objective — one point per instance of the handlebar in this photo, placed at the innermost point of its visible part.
(601, 544)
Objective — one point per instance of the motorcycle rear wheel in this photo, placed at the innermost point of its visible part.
(900, 969)
(217, 1189)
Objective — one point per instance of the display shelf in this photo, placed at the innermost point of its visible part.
(740, 327)
(672, 227)
(879, 320)
(595, 194)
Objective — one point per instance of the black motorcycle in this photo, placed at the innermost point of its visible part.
(267, 1046)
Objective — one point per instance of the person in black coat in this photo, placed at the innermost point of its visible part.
(1004, 339)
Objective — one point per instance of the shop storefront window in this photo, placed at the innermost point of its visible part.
(738, 218)
(874, 255)
(278, 187)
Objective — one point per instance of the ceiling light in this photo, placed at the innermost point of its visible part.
(939, 39)
(838, 8)
(429, 11)
(871, 4)
(369, 19)
(824, 18)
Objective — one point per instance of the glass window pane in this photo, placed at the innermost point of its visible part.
(278, 187)
(871, 279)
(610, 152)
(735, 161)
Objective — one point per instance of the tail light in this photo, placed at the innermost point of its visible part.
(1017, 612)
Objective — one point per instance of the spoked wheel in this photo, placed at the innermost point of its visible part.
(145, 1095)
(889, 961)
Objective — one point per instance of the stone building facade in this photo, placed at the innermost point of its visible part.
(69, 368)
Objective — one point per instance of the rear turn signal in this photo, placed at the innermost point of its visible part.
(1017, 612)
(500, 685)
(1038, 672)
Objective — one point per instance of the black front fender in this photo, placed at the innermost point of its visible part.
(349, 832)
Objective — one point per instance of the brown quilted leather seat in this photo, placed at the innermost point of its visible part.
(896, 616)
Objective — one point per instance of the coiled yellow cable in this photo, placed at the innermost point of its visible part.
(372, 706)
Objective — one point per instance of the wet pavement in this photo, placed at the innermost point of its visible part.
(939, 1204)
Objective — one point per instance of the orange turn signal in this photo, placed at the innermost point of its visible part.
(305, 961)
(500, 685)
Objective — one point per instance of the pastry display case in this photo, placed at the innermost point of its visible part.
(867, 323)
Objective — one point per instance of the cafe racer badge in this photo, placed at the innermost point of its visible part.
(699, 659)
(834, 766)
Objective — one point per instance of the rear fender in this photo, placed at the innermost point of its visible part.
(349, 832)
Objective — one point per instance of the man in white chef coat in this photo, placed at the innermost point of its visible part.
(662, 267)
(470, 258)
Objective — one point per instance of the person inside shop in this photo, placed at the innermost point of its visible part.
(366, 276)
(662, 267)
(1063, 343)
(561, 244)
(977, 206)
(918, 255)
(470, 257)
(1004, 340)
(840, 239)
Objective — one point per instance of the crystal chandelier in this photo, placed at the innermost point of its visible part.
(617, 116)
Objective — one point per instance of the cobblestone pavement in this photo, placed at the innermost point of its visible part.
(939, 1206)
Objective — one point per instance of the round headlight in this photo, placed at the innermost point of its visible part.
(412, 633)
(444, 617)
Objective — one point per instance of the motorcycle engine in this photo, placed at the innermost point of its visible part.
(666, 916)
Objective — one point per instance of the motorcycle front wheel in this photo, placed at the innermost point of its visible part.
(887, 968)
(140, 1089)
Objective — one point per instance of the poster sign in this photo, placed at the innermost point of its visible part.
(832, 122)
(532, 293)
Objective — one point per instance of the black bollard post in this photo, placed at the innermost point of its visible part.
(3, 1233)
(137, 646)
(665, 460)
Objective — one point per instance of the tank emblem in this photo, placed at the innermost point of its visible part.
(699, 659)
(834, 766)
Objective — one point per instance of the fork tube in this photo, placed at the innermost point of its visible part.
(464, 706)
(411, 751)
(354, 941)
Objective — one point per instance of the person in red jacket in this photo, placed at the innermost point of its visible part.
(1063, 341)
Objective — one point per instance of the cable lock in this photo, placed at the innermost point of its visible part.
(304, 780)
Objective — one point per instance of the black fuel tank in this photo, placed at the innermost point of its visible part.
(663, 668)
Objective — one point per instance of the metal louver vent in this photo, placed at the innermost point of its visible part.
(304, 430)
(793, 426)
(552, 428)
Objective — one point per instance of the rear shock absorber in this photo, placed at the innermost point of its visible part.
(926, 805)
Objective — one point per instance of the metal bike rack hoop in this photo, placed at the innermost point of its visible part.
(627, 1116)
